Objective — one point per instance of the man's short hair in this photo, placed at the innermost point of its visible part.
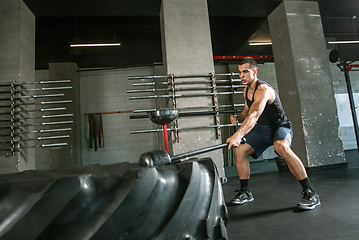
(251, 61)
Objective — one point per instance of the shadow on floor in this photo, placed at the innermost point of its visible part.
(273, 214)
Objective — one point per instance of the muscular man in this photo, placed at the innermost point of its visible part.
(265, 124)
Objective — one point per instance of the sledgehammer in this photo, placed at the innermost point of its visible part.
(161, 157)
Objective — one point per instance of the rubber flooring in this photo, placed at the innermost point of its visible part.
(273, 213)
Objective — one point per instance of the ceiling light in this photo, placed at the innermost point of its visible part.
(96, 45)
(334, 42)
(259, 43)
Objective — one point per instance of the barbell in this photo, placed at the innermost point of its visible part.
(161, 157)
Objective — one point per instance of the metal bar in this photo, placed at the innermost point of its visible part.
(228, 93)
(231, 80)
(178, 89)
(10, 84)
(243, 56)
(181, 76)
(40, 96)
(112, 112)
(36, 124)
(55, 116)
(43, 117)
(42, 103)
(56, 102)
(38, 89)
(55, 123)
(6, 134)
(6, 106)
(42, 146)
(191, 89)
(54, 130)
(6, 91)
(56, 88)
(53, 145)
(147, 77)
(196, 152)
(42, 82)
(6, 120)
(145, 90)
(41, 110)
(52, 109)
(186, 128)
(45, 131)
(185, 108)
(181, 95)
(149, 130)
(177, 158)
(168, 96)
(167, 83)
(5, 113)
(52, 137)
(146, 110)
(186, 82)
(148, 84)
(337, 17)
(41, 138)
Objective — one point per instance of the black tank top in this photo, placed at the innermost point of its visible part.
(273, 113)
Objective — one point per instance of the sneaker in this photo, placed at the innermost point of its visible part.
(243, 196)
(309, 201)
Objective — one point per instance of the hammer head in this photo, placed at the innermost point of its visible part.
(154, 158)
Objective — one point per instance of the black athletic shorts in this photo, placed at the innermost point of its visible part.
(262, 137)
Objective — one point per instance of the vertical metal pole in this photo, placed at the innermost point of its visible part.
(174, 106)
(215, 101)
(351, 100)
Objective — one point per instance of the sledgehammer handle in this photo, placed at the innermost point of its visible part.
(177, 158)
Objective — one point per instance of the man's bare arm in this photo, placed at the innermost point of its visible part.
(263, 95)
(240, 117)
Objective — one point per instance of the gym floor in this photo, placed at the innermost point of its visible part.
(273, 214)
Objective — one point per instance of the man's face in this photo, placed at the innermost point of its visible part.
(246, 74)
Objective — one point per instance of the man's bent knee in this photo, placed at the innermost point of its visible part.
(282, 147)
(244, 150)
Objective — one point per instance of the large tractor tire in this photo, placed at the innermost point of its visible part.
(118, 201)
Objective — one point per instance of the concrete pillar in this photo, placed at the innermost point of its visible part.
(304, 82)
(187, 49)
(69, 155)
(17, 63)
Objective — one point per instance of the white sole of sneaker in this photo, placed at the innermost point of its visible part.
(308, 207)
(241, 203)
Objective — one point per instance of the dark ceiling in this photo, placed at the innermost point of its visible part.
(136, 25)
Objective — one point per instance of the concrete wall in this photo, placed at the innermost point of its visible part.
(42, 154)
(104, 91)
(60, 156)
(69, 155)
